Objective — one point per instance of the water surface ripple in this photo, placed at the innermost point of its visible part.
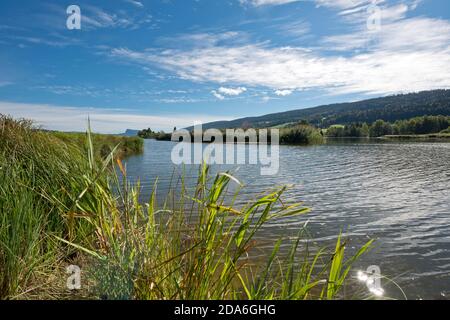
(397, 193)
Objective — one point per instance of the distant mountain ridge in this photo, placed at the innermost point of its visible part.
(391, 108)
(129, 133)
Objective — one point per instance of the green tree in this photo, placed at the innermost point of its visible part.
(380, 128)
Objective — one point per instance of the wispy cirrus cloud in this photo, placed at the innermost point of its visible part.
(339, 4)
(94, 17)
(417, 34)
(346, 8)
(408, 55)
(342, 4)
(177, 100)
(53, 40)
(388, 13)
(135, 3)
(258, 3)
(297, 28)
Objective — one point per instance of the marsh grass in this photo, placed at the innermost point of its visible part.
(61, 203)
(104, 143)
(36, 168)
(300, 134)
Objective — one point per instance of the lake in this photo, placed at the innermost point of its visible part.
(395, 192)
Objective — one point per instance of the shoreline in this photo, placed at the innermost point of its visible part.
(420, 137)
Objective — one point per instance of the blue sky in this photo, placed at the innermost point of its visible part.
(166, 63)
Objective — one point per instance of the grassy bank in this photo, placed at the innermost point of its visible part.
(61, 204)
(103, 144)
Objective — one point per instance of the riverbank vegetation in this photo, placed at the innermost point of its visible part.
(416, 126)
(292, 134)
(103, 144)
(60, 204)
(157, 135)
(446, 131)
(301, 134)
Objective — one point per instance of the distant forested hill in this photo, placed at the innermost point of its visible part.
(129, 133)
(392, 108)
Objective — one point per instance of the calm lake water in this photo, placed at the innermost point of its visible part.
(397, 193)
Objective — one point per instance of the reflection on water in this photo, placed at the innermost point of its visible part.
(395, 192)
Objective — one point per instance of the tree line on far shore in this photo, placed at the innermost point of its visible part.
(157, 135)
(379, 128)
(305, 133)
(300, 133)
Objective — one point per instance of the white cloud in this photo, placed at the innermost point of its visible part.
(178, 100)
(407, 55)
(258, 3)
(298, 28)
(232, 91)
(388, 13)
(353, 10)
(417, 34)
(342, 4)
(336, 4)
(217, 95)
(93, 17)
(222, 92)
(284, 93)
(135, 3)
(393, 13)
(102, 120)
